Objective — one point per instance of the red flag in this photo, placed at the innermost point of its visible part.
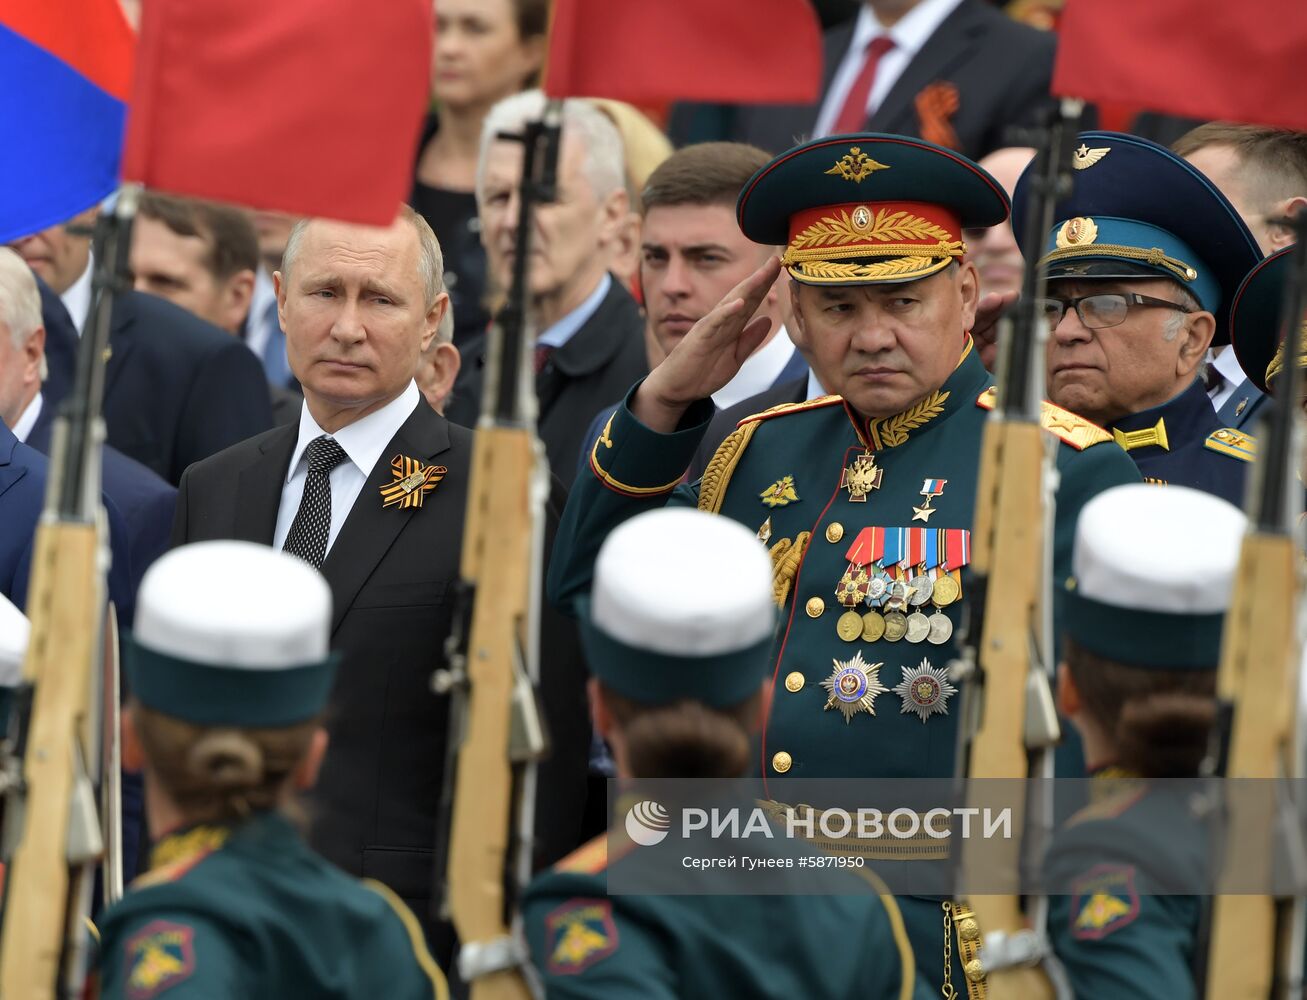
(1208, 59)
(311, 107)
(736, 51)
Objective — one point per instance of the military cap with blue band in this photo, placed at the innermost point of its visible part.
(868, 208)
(1153, 573)
(232, 634)
(1137, 210)
(681, 607)
(1256, 323)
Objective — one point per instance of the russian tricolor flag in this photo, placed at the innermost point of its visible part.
(65, 77)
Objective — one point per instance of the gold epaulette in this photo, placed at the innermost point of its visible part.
(1068, 427)
(783, 408)
(1111, 804)
(170, 872)
(1236, 444)
(588, 859)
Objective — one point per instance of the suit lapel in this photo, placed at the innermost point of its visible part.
(370, 529)
(589, 349)
(9, 472)
(944, 50)
(258, 491)
(121, 341)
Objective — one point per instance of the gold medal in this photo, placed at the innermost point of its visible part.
(896, 626)
(849, 626)
(946, 591)
(873, 626)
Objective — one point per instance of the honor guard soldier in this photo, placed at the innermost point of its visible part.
(1153, 575)
(677, 634)
(1142, 263)
(864, 500)
(1255, 324)
(229, 671)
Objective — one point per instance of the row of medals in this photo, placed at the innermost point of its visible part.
(895, 607)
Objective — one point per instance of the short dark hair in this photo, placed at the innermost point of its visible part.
(710, 173)
(1159, 720)
(532, 17)
(233, 243)
(1276, 158)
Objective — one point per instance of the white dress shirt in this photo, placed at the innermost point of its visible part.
(815, 391)
(77, 300)
(28, 418)
(759, 371)
(260, 322)
(1228, 365)
(363, 442)
(910, 35)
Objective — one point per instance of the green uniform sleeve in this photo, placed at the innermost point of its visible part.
(631, 469)
(175, 956)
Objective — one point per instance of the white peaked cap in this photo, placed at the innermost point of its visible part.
(1162, 548)
(681, 582)
(234, 604)
(15, 630)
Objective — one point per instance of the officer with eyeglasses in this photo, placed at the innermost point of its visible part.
(1143, 262)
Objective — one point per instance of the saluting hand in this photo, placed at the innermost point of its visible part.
(709, 355)
(984, 331)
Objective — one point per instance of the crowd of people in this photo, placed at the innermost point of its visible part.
(784, 317)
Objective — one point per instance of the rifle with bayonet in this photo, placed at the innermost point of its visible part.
(1256, 942)
(486, 823)
(53, 838)
(1008, 721)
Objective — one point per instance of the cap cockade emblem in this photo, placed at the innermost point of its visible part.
(856, 166)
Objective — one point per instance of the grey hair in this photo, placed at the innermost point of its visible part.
(431, 262)
(20, 301)
(603, 163)
(1178, 319)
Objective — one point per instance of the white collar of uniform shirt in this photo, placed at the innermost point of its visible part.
(364, 440)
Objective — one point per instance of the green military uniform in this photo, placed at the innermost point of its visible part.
(250, 911)
(1144, 594)
(706, 640)
(846, 506)
(232, 636)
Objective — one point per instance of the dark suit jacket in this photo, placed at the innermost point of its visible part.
(794, 391)
(392, 574)
(145, 501)
(1001, 70)
(602, 361)
(176, 389)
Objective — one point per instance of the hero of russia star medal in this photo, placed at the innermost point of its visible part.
(853, 686)
(930, 489)
(925, 690)
(861, 477)
(780, 493)
(412, 482)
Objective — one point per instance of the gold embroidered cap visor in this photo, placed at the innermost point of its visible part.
(868, 208)
(1255, 322)
(1136, 210)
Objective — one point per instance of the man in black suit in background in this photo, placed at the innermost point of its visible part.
(590, 334)
(954, 72)
(358, 305)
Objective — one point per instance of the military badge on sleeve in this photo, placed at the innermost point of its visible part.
(159, 956)
(580, 933)
(1105, 900)
(412, 482)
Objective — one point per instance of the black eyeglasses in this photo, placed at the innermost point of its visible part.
(1103, 309)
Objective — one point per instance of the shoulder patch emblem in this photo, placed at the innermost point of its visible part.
(1105, 900)
(159, 956)
(784, 408)
(1068, 427)
(581, 932)
(588, 858)
(1236, 444)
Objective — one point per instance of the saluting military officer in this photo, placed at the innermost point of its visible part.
(863, 499)
(1143, 262)
(1153, 575)
(229, 672)
(679, 652)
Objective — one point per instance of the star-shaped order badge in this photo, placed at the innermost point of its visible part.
(925, 690)
(412, 482)
(853, 686)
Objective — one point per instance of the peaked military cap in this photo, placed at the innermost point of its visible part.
(1137, 210)
(1153, 573)
(868, 208)
(232, 634)
(1256, 321)
(682, 607)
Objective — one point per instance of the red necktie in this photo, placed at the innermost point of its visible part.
(853, 116)
(542, 352)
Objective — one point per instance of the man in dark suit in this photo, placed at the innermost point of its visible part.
(357, 306)
(954, 72)
(590, 347)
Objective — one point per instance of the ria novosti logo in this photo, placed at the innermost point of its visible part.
(647, 823)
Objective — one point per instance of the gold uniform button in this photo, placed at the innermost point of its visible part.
(794, 681)
(834, 532)
(781, 762)
(815, 607)
(968, 930)
(975, 970)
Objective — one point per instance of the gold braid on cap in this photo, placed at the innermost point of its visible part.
(836, 237)
(1277, 363)
(1154, 256)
